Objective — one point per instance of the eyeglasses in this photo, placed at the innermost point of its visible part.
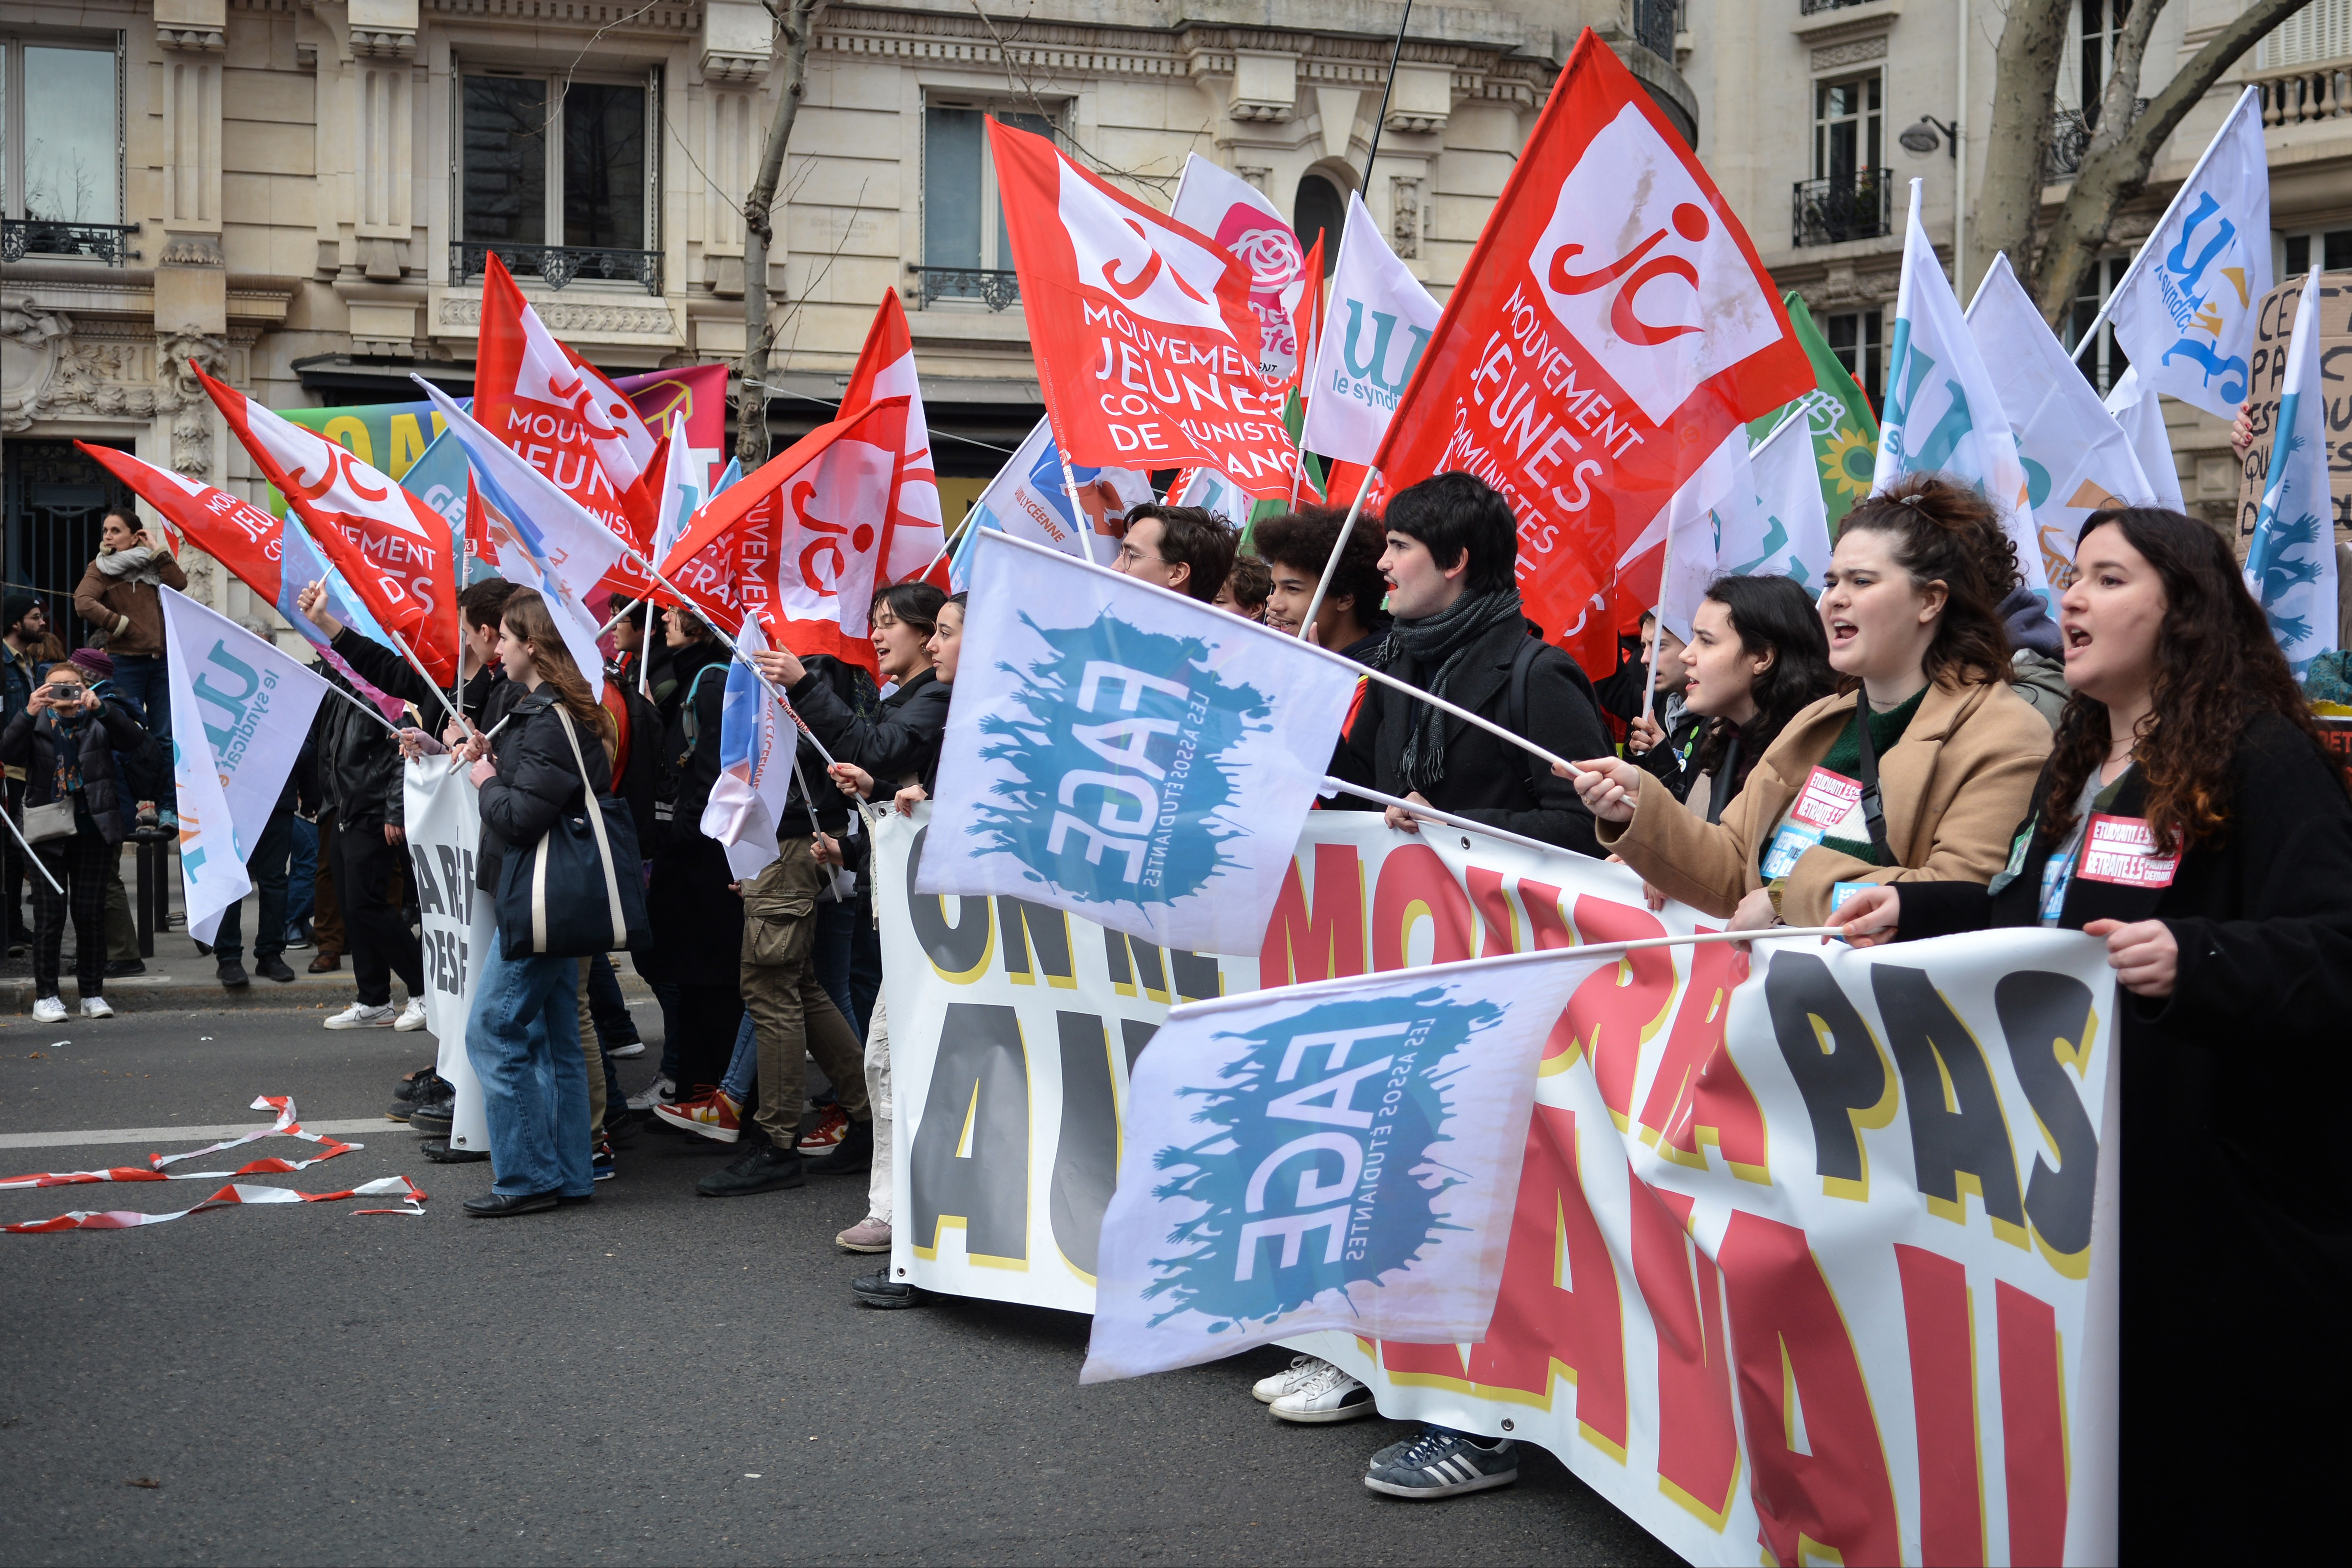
(1129, 555)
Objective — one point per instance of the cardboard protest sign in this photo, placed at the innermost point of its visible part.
(2274, 330)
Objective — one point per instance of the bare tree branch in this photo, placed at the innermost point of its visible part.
(2017, 141)
(2118, 106)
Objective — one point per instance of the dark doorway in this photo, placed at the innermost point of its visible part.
(56, 499)
(1321, 209)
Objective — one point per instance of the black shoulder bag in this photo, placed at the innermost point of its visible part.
(566, 896)
(1873, 812)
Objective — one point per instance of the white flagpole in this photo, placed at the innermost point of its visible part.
(1433, 814)
(401, 643)
(1657, 626)
(645, 654)
(1323, 586)
(10, 818)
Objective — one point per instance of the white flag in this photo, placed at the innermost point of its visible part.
(757, 743)
(2077, 458)
(1340, 1155)
(545, 539)
(1379, 322)
(1210, 489)
(1942, 414)
(2141, 414)
(1237, 215)
(1030, 500)
(1693, 530)
(1127, 753)
(681, 495)
(2185, 312)
(1786, 531)
(2291, 562)
(243, 708)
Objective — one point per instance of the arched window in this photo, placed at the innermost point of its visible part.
(1321, 206)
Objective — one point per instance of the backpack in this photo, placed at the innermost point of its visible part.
(670, 776)
(1515, 708)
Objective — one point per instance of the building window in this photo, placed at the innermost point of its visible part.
(61, 173)
(2320, 31)
(1857, 340)
(551, 162)
(2102, 364)
(2330, 251)
(2098, 28)
(1849, 125)
(1321, 209)
(965, 255)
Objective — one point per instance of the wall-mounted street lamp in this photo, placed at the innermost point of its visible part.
(1921, 138)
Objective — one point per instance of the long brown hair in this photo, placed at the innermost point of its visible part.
(1945, 531)
(2217, 669)
(527, 618)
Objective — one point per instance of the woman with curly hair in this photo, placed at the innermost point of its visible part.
(1914, 771)
(2223, 889)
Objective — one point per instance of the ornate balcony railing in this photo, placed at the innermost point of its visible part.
(2306, 92)
(106, 242)
(1652, 25)
(1859, 205)
(2070, 138)
(557, 265)
(995, 288)
(1810, 7)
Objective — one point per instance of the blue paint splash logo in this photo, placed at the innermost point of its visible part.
(1120, 746)
(1322, 1157)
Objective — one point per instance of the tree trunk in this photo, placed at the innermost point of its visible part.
(2115, 174)
(797, 25)
(2032, 46)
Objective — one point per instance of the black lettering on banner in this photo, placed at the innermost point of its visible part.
(1837, 1064)
(458, 883)
(428, 893)
(1959, 1135)
(1136, 963)
(2048, 1020)
(1136, 1035)
(1086, 1157)
(1197, 976)
(969, 1154)
(1022, 926)
(957, 949)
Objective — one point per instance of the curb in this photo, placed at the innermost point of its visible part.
(164, 993)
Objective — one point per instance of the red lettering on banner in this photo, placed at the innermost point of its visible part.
(1698, 1445)
(1320, 943)
(2034, 1461)
(1697, 1095)
(1414, 884)
(1432, 1365)
(1820, 1483)
(1558, 1310)
(1493, 906)
(1941, 1334)
(1614, 1013)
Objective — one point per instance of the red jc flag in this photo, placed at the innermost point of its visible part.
(1147, 347)
(1612, 326)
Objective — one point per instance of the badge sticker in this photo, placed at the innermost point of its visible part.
(2122, 850)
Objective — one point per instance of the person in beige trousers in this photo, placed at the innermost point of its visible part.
(1911, 609)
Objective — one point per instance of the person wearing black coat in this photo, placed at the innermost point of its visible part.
(67, 740)
(1459, 632)
(522, 1035)
(360, 779)
(2223, 889)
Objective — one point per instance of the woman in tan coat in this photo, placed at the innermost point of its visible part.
(119, 596)
(1931, 791)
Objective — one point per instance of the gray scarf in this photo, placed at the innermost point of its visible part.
(136, 564)
(1440, 647)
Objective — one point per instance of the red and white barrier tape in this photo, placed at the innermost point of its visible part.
(412, 1195)
(286, 1125)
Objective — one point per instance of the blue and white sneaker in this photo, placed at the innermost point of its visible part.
(1440, 1464)
(601, 1162)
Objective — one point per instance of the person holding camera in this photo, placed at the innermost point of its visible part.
(67, 740)
(120, 594)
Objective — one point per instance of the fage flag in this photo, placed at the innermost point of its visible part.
(1127, 753)
(1612, 326)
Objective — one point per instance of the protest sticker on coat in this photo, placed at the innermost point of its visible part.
(1821, 1234)
(444, 815)
(2273, 331)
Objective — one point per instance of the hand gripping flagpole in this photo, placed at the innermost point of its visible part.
(1070, 484)
(402, 644)
(1322, 587)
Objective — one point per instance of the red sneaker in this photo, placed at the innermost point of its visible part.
(826, 1135)
(713, 1115)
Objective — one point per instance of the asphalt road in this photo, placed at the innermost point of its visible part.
(654, 1378)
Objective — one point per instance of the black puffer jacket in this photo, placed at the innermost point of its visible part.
(30, 742)
(537, 779)
(359, 764)
(899, 747)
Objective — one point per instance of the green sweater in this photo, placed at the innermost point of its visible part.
(1845, 757)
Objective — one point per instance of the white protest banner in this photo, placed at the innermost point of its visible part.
(252, 704)
(444, 816)
(1942, 414)
(2076, 458)
(1230, 1228)
(2140, 414)
(1838, 1237)
(1126, 753)
(2184, 314)
(1379, 320)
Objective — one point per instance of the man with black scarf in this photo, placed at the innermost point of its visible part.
(1452, 572)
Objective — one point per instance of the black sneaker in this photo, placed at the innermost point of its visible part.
(880, 1290)
(232, 976)
(440, 1153)
(854, 1152)
(275, 968)
(763, 1168)
(1442, 1464)
(421, 1084)
(435, 1117)
(118, 967)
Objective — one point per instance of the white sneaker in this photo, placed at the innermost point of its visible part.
(50, 1010)
(661, 1091)
(1301, 1371)
(361, 1016)
(1330, 1394)
(625, 1053)
(97, 1007)
(410, 1016)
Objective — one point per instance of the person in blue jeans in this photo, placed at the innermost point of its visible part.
(523, 1033)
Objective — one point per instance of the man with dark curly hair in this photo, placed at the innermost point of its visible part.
(1296, 546)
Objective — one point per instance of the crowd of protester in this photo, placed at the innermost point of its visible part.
(1982, 733)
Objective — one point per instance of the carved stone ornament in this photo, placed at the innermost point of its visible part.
(740, 70)
(192, 251)
(1861, 51)
(562, 316)
(191, 431)
(1405, 124)
(1254, 175)
(191, 41)
(384, 44)
(1404, 217)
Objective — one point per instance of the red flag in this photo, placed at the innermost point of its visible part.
(885, 368)
(1309, 315)
(563, 414)
(1146, 348)
(1612, 327)
(391, 548)
(806, 562)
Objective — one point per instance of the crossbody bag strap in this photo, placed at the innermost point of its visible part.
(1874, 812)
(1515, 713)
(596, 825)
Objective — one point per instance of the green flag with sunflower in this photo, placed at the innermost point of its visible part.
(1844, 430)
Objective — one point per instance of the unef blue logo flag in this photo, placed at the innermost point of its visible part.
(1341, 1155)
(2291, 562)
(1127, 753)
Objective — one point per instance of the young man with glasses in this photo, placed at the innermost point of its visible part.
(1185, 548)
